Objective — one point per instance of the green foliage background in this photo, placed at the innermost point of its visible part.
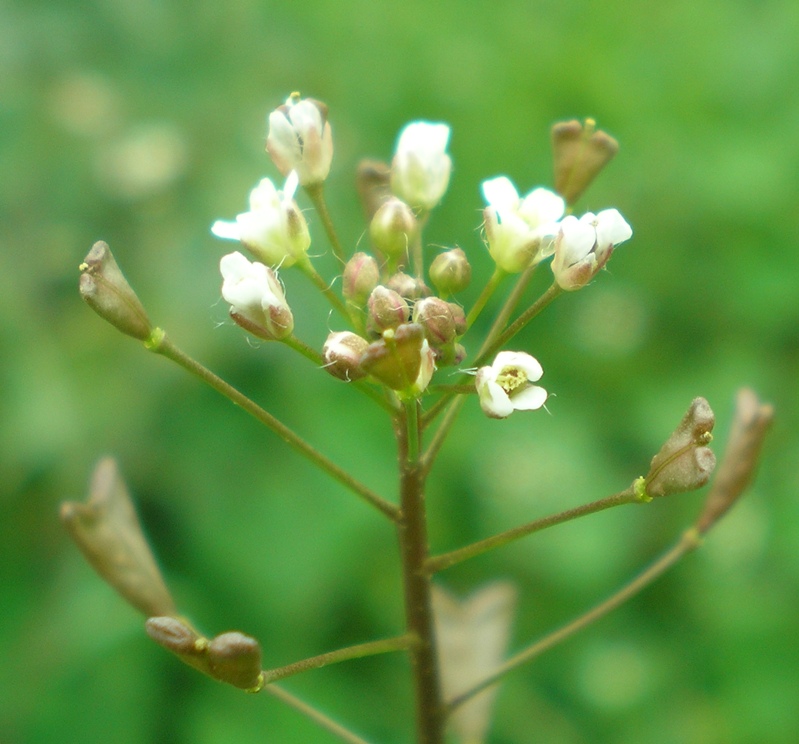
(140, 122)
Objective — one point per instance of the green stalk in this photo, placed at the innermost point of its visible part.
(689, 541)
(447, 560)
(485, 295)
(304, 264)
(317, 196)
(161, 344)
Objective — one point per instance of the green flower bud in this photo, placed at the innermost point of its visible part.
(387, 309)
(361, 275)
(450, 272)
(393, 228)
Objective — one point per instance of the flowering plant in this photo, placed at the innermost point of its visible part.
(414, 355)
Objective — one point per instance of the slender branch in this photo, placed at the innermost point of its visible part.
(315, 715)
(485, 295)
(307, 268)
(386, 645)
(412, 534)
(689, 541)
(317, 196)
(416, 251)
(447, 560)
(441, 433)
(520, 322)
(161, 344)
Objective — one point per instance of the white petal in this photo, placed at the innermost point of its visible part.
(500, 193)
(509, 359)
(234, 266)
(529, 365)
(542, 206)
(529, 399)
(576, 239)
(612, 227)
(226, 230)
(494, 400)
(292, 182)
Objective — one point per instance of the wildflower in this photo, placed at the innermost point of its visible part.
(421, 167)
(300, 139)
(342, 355)
(520, 231)
(583, 246)
(506, 386)
(257, 301)
(274, 230)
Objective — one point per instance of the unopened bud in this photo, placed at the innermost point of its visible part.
(459, 316)
(435, 316)
(104, 288)
(361, 275)
(752, 421)
(342, 354)
(396, 358)
(373, 182)
(408, 286)
(236, 659)
(685, 462)
(450, 272)
(579, 152)
(392, 229)
(387, 309)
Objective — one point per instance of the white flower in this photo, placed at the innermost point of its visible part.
(274, 229)
(520, 231)
(506, 386)
(584, 246)
(300, 139)
(256, 297)
(421, 167)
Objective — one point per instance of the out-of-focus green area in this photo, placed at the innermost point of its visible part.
(141, 122)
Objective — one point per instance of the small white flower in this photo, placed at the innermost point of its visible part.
(274, 229)
(256, 297)
(520, 232)
(300, 139)
(583, 246)
(421, 167)
(506, 386)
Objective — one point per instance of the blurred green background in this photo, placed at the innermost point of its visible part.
(141, 122)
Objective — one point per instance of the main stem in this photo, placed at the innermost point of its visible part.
(412, 533)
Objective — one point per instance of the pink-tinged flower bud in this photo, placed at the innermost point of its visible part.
(580, 152)
(256, 297)
(392, 229)
(300, 139)
(450, 272)
(684, 462)
(361, 275)
(104, 288)
(274, 230)
(235, 658)
(583, 246)
(396, 359)
(387, 310)
(506, 386)
(519, 231)
(407, 286)
(421, 167)
(342, 353)
(435, 316)
(108, 533)
(459, 316)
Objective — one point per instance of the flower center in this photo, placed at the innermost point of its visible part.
(511, 378)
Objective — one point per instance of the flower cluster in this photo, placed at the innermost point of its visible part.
(399, 331)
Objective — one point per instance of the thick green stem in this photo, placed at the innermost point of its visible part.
(161, 344)
(386, 645)
(446, 560)
(689, 541)
(317, 196)
(327, 723)
(412, 533)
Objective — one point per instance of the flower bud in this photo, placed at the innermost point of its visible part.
(274, 230)
(684, 462)
(407, 286)
(579, 152)
(342, 354)
(440, 328)
(300, 139)
(450, 272)
(752, 421)
(519, 231)
(387, 309)
(107, 292)
(256, 297)
(459, 316)
(361, 275)
(373, 181)
(421, 167)
(236, 659)
(392, 229)
(584, 246)
(396, 359)
(108, 533)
